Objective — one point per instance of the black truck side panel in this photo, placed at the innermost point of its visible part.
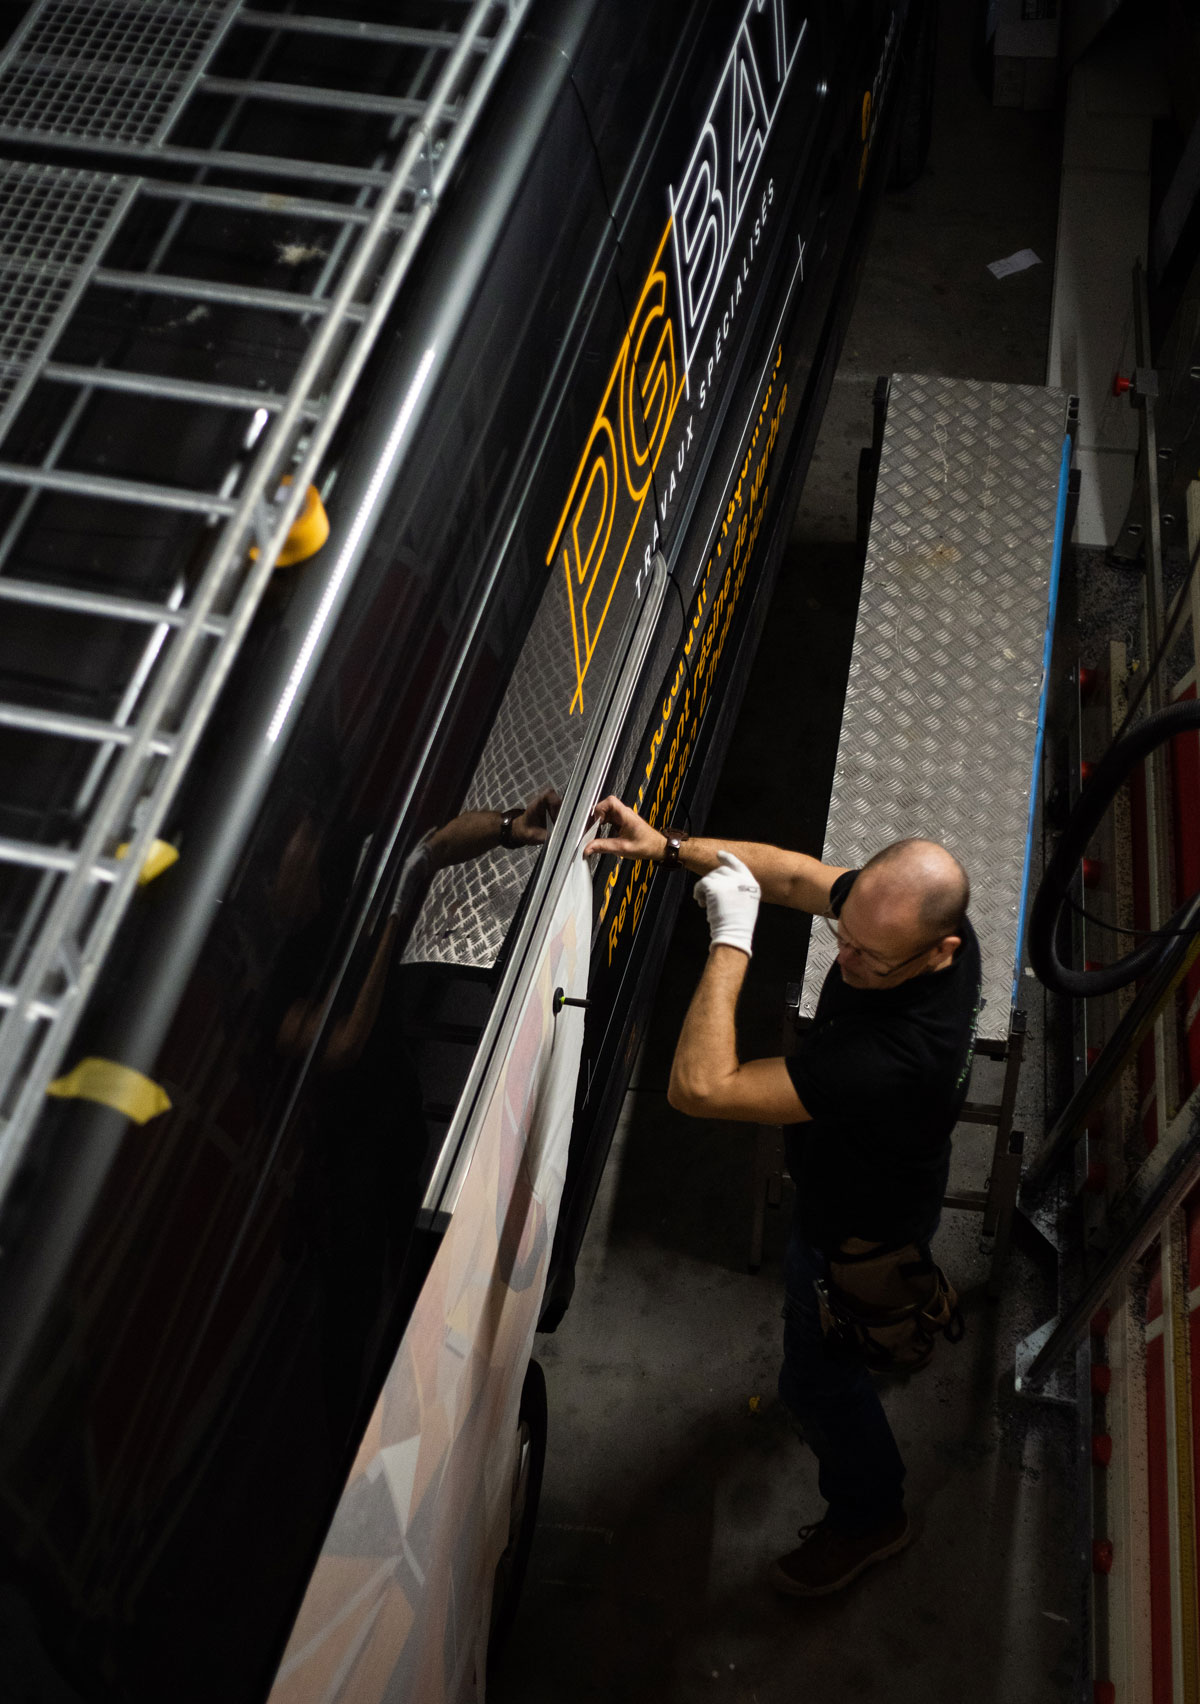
(725, 550)
(197, 1315)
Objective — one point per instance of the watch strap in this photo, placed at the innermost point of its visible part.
(670, 859)
(507, 818)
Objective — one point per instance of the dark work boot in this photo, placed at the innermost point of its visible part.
(827, 1560)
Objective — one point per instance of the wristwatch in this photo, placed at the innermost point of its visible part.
(675, 839)
(507, 818)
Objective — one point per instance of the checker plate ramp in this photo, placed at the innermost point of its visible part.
(939, 729)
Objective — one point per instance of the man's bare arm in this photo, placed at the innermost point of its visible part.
(786, 878)
(707, 1078)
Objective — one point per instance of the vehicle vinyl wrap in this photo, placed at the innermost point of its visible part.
(397, 1604)
(736, 483)
(747, 223)
(733, 154)
(599, 523)
(206, 1311)
(661, 771)
(232, 1282)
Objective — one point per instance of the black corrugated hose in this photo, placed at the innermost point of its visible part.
(1122, 757)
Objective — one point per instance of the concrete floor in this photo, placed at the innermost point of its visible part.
(672, 1475)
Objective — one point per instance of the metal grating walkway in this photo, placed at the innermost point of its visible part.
(135, 128)
(940, 727)
(54, 223)
(120, 71)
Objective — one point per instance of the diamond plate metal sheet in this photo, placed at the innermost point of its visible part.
(940, 722)
(55, 222)
(533, 744)
(115, 72)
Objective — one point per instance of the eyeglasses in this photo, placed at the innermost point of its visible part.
(877, 965)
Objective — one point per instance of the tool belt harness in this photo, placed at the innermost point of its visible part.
(889, 1305)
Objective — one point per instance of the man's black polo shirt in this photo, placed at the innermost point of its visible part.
(884, 1074)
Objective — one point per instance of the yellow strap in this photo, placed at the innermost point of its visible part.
(118, 1086)
(160, 857)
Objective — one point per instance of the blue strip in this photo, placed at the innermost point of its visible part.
(1060, 527)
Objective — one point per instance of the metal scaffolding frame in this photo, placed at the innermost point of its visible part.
(114, 81)
(1143, 1208)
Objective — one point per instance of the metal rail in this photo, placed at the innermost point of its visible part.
(1162, 1182)
(165, 702)
(1141, 1017)
(1171, 1170)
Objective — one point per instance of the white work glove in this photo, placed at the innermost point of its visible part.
(729, 895)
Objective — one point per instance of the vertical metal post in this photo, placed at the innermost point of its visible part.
(1193, 525)
(1181, 1509)
(1163, 1182)
(1005, 1178)
(1124, 1097)
(1181, 1489)
(1128, 1523)
(1157, 786)
(1154, 588)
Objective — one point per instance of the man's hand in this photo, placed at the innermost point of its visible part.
(729, 895)
(631, 836)
(784, 878)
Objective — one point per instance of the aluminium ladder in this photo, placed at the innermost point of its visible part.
(942, 727)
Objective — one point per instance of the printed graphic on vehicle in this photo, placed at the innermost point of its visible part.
(663, 767)
(718, 215)
(397, 1606)
(600, 520)
(715, 192)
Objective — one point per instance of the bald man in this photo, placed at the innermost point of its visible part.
(869, 1098)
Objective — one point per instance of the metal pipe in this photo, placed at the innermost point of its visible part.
(211, 159)
(228, 295)
(256, 201)
(1163, 1181)
(175, 390)
(40, 596)
(398, 35)
(1154, 581)
(301, 94)
(1157, 771)
(42, 1009)
(58, 722)
(31, 855)
(119, 491)
(1126, 1038)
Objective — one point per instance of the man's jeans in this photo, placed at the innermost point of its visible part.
(832, 1396)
